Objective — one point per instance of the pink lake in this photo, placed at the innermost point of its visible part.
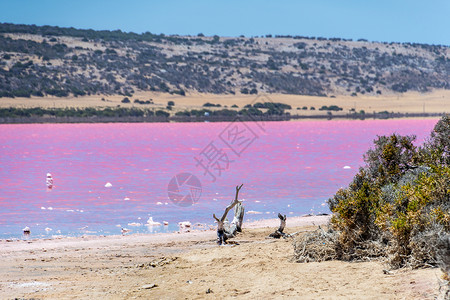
(287, 167)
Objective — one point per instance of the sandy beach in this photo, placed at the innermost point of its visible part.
(190, 265)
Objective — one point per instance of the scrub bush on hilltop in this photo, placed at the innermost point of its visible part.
(397, 207)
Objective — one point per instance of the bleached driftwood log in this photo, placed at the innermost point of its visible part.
(226, 231)
(279, 232)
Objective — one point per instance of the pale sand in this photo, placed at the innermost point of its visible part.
(187, 265)
(411, 102)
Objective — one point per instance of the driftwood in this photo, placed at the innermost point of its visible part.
(226, 231)
(279, 232)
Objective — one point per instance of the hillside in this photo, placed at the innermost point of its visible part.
(63, 62)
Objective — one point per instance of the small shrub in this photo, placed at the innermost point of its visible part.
(161, 113)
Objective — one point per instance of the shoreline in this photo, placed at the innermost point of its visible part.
(191, 265)
(221, 107)
(174, 119)
(306, 220)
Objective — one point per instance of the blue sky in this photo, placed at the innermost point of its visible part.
(424, 21)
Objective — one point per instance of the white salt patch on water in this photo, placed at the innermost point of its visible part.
(252, 212)
(150, 222)
(126, 199)
(108, 185)
(50, 208)
(43, 207)
(158, 203)
(347, 167)
(257, 201)
(134, 224)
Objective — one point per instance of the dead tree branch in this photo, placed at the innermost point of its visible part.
(236, 226)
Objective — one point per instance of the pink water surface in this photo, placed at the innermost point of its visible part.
(289, 167)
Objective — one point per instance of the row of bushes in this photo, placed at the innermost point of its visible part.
(79, 112)
(248, 111)
(331, 107)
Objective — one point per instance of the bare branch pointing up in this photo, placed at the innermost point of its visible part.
(229, 207)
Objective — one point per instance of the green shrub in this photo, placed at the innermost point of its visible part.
(161, 113)
(400, 199)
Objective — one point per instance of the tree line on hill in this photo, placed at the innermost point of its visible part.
(48, 60)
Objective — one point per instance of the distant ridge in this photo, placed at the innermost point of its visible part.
(49, 60)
